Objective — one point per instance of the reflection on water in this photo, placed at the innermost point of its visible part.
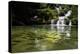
(63, 31)
(42, 37)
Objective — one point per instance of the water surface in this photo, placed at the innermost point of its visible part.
(43, 38)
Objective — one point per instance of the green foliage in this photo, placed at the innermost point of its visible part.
(48, 12)
(74, 16)
(23, 14)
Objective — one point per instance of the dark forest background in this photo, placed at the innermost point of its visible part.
(28, 13)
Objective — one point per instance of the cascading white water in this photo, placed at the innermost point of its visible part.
(61, 25)
(61, 22)
(58, 9)
(70, 24)
(68, 13)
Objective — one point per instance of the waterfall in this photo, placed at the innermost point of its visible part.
(61, 22)
(70, 24)
(62, 27)
(57, 23)
(68, 13)
(58, 9)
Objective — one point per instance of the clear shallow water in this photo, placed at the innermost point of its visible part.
(43, 37)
